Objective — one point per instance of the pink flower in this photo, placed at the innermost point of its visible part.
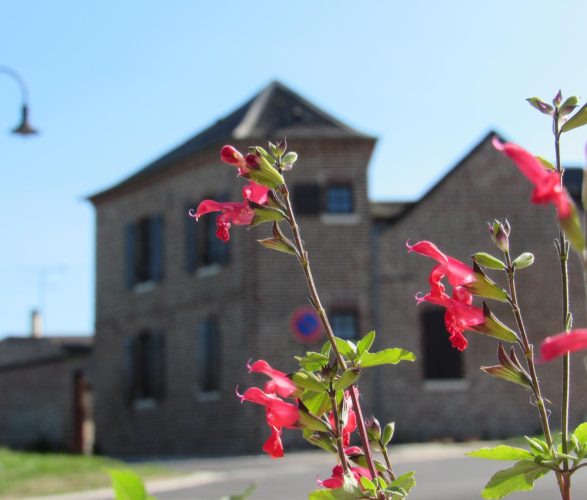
(232, 156)
(337, 479)
(279, 384)
(547, 184)
(233, 212)
(460, 314)
(349, 421)
(278, 413)
(562, 343)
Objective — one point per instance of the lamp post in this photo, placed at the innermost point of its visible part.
(24, 127)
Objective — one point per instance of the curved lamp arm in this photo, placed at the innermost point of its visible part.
(24, 128)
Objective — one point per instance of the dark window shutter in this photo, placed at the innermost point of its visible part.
(157, 245)
(129, 255)
(159, 367)
(191, 242)
(307, 199)
(441, 360)
(130, 368)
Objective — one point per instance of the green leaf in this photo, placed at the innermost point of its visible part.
(317, 403)
(572, 227)
(406, 481)
(508, 374)
(545, 163)
(326, 348)
(540, 105)
(390, 356)
(289, 158)
(308, 381)
(127, 485)
(348, 377)
(524, 260)
(368, 484)
(264, 213)
(494, 328)
(501, 452)
(347, 348)
(366, 342)
(577, 120)
(581, 433)
(244, 495)
(520, 477)
(279, 245)
(487, 260)
(320, 439)
(387, 434)
(311, 423)
(313, 361)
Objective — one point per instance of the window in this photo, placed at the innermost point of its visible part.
(145, 366)
(339, 199)
(312, 199)
(209, 362)
(144, 251)
(307, 199)
(345, 324)
(203, 248)
(441, 360)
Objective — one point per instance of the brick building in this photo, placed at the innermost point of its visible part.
(178, 313)
(45, 382)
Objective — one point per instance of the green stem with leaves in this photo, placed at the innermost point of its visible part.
(529, 356)
(314, 297)
(563, 250)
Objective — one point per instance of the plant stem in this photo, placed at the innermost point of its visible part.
(563, 256)
(529, 355)
(305, 263)
(387, 460)
(339, 444)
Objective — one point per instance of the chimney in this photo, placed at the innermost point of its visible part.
(36, 324)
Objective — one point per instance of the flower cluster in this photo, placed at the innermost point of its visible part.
(460, 313)
(278, 413)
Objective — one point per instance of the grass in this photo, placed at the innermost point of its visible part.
(25, 474)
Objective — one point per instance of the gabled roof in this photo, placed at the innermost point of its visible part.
(274, 112)
(390, 212)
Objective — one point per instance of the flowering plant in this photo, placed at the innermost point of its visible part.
(321, 398)
(561, 454)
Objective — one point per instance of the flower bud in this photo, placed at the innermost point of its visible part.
(500, 233)
(232, 156)
(373, 429)
(558, 98)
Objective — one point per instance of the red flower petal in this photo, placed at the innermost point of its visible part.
(273, 446)
(281, 383)
(562, 343)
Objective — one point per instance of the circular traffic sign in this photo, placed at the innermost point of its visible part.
(306, 325)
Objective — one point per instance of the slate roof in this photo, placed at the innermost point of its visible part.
(274, 112)
(21, 350)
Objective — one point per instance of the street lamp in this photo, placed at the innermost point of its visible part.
(24, 127)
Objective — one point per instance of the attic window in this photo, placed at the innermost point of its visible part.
(339, 199)
(297, 112)
(307, 199)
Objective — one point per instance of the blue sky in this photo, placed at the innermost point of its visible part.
(115, 84)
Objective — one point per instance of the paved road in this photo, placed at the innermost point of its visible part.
(442, 473)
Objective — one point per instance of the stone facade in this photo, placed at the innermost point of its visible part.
(360, 265)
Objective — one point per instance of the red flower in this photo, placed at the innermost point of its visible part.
(349, 421)
(279, 384)
(232, 156)
(337, 479)
(460, 314)
(233, 212)
(278, 413)
(562, 343)
(547, 184)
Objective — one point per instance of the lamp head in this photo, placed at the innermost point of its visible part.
(24, 128)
